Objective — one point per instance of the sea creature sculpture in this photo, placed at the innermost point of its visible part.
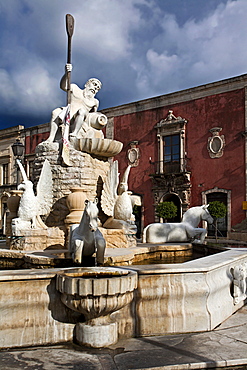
(116, 201)
(33, 206)
(184, 231)
(239, 273)
(86, 239)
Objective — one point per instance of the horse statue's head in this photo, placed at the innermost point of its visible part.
(91, 212)
(194, 215)
(206, 215)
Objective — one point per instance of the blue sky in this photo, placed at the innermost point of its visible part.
(137, 48)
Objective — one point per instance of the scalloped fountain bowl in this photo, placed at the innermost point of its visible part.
(100, 147)
(96, 292)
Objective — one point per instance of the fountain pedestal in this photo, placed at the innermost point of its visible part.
(97, 333)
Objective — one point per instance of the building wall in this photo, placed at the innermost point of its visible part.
(34, 136)
(225, 109)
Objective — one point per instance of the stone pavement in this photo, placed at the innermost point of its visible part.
(223, 348)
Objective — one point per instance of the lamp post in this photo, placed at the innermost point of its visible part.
(18, 151)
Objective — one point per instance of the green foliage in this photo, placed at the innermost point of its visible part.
(217, 209)
(166, 210)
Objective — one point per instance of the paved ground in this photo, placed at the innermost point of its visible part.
(224, 347)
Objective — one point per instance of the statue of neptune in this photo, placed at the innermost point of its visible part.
(83, 102)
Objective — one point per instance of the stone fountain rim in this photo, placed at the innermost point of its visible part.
(205, 264)
(114, 282)
(80, 272)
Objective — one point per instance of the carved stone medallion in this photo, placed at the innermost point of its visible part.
(216, 143)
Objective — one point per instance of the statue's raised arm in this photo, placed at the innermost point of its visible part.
(64, 83)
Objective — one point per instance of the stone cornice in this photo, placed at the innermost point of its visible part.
(193, 93)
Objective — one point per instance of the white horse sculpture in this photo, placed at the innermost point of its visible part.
(184, 231)
(86, 238)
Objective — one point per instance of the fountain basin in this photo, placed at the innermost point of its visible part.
(100, 147)
(96, 292)
(195, 296)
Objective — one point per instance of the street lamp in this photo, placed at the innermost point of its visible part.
(18, 151)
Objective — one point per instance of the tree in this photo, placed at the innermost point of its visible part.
(166, 210)
(217, 210)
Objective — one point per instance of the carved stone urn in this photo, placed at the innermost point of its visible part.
(76, 204)
(96, 292)
(13, 204)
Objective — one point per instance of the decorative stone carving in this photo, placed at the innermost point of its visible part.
(32, 206)
(178, 184)
(216, 143)
(184, 231)
(116, 201)
(239, 273)
(76, 203)
(133, 154)
(13, 204)
(99, 146)
(171, 119)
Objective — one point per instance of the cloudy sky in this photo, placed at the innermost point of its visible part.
(137, 48)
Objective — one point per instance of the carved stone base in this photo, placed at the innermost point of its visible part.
(38, 239)
(117, 238)
(96, 336)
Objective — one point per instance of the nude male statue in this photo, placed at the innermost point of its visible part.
(82, 103)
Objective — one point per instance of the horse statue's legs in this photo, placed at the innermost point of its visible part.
(195, 232)
(100, 251)
(202, 233)
(100, 245)
(77, 250)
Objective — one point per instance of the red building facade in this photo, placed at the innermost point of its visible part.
(207, 125)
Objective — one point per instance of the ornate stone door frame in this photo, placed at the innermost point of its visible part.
(225, 191)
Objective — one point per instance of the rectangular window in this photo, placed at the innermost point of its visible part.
(171, 153)
(5, 172)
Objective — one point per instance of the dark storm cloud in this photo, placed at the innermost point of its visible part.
(137, 48)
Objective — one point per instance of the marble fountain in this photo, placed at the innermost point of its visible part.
(47, 297)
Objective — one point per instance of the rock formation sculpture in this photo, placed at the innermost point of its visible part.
(33, 206)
